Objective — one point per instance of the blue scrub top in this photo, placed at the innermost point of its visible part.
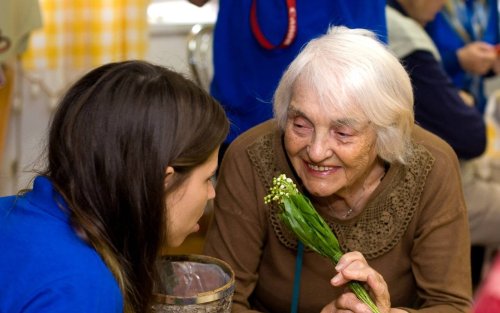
(44, 265)
(246, 75)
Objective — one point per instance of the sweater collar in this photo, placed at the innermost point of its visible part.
(47, 198)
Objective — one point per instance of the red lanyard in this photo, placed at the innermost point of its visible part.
(292, 26)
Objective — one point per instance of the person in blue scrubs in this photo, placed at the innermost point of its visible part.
(131, 152)
(466, 33)
(256, 40)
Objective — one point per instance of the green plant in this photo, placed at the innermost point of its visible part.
(299, 215)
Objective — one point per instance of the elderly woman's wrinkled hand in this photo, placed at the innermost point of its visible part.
(353, 266)
(347, 302)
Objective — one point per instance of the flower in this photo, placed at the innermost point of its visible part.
(299, 215)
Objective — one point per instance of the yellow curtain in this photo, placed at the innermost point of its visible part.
(78, 35)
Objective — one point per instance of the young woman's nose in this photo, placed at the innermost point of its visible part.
(211, 191)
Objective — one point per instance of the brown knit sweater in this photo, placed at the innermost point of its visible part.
(413, 231)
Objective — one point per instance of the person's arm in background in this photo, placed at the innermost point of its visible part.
(440, 109)
(496, 64)
(458, 56)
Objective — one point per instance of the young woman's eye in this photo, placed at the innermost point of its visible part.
(212, 179)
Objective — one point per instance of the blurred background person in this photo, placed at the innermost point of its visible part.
(466, 33)
(440, 109)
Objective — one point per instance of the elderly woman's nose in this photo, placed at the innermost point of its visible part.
(319, 148)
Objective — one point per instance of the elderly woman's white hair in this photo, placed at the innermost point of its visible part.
(356, 75)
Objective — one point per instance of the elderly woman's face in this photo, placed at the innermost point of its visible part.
(328, 154)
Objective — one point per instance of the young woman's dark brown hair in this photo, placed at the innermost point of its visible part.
(125, 137)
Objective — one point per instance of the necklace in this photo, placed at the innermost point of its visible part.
(348, 213)
(366, 192)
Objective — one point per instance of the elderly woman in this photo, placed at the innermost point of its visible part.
(344, 131)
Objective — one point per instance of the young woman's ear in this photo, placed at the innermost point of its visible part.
(169, 175)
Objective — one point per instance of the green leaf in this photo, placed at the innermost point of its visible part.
(300, 216)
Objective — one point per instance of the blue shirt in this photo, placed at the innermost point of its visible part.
(44, 265)
(246, 75)
(448, 41)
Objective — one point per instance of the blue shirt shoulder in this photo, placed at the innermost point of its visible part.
(45, 266)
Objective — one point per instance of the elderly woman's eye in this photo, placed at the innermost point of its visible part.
(343, 133)
(301, 123)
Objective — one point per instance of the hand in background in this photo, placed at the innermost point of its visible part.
(477, 57)
(496, 64)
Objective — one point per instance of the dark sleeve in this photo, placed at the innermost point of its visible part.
(439, 108)
(451, 62)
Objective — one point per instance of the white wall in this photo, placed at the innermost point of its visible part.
(28, 122)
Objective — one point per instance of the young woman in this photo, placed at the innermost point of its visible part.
(131, 152)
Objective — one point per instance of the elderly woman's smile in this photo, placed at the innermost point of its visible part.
(330, 153)
(317, 168)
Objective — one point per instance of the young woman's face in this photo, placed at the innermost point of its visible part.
(186, 205)
(326, 151)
